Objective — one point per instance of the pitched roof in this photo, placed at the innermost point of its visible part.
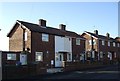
(117, 39)
(48, 30)
(101, 36)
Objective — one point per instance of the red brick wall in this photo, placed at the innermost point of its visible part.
(77, 49)
(16, 40)
(88, 47)
(10, 62)
(37, 45)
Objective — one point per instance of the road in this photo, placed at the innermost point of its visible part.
(109, 72)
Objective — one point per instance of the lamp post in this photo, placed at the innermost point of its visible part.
(0, 64)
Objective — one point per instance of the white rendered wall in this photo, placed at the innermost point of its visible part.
(63, 44)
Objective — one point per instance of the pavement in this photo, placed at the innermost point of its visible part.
(103, 73)
(110, 72)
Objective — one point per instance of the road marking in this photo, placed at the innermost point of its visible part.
(108, 72)
(87, 72)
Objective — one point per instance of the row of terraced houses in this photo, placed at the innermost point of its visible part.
(49, 47)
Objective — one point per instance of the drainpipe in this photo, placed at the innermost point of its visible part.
(23, 40)
(91, 49)
(98, 51)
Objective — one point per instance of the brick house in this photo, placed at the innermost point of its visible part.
(101, 48)
(118, 44)
(48, 45)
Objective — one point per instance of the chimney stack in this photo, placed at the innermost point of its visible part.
(62, 27)
(96, 32)
(42, 22)
(108, 35)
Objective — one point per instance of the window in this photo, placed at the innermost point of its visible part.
(45, 37)
(11, 56)
(93, 54)
(69, 57)
(90, 42)
(94, 42)
(103, 42)
(81, 56)
(114, 44)
(25, 36)
(101, 54)
(77, 41)
(108, 43)
(39, 56)
(115, 55)
(110, 55)
(118, 45)
(60, 57)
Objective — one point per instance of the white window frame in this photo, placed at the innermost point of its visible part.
(26, 36)
(114, 44)
(93, 54)
(69, 57)
(90, 43)
(103, 42)
(110, 55)
(45, 37)
(101, 54)
(94, 42)
(108, 43)
(118, 44)
(77, 41)
(38, 56)
(11, 56)
(115, 55)
(82, 56)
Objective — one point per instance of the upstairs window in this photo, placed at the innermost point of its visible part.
(90, 42)
(103, 42)
(118, 44)
(108, 43)
(11, 56)
(77, 41)
(114, 44)
(25, 36)
(94, 42)
(45, 37)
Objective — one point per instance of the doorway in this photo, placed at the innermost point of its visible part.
(59, 60)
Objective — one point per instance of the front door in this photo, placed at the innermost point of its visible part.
(23, 59)
(59, 60)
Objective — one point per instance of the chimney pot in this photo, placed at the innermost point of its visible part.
(62, 27)
(42, 22)
(108, 35)
(96, 32)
